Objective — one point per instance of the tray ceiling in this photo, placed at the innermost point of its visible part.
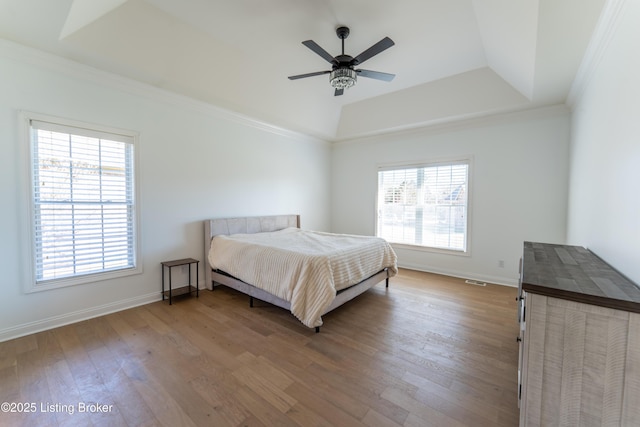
(452, 59)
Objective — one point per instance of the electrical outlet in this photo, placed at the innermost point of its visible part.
(501, 263)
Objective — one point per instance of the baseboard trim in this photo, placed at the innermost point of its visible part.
(504, 281)
(77, 316)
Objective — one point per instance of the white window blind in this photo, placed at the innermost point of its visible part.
(83, 201)
(424, 205)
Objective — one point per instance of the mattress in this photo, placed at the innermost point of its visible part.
(305, 268)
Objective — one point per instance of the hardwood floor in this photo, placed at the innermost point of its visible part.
(428, 351)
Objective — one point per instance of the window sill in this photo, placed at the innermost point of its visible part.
(419, 248)
(81, 280)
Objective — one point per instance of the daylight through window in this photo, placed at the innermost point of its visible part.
(424, 205)
(83, 201)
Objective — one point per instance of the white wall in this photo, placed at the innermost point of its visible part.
(519, 186)
(195, 162)
(604, 202)
(198, 162)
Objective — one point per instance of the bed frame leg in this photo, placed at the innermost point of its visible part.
(317, 329)
(251, 301)
(386, 282)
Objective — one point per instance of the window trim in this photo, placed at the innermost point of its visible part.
(30, 283)
(468, 159)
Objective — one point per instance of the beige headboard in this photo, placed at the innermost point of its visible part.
(251, 224)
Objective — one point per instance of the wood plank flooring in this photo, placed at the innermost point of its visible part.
(428, 351)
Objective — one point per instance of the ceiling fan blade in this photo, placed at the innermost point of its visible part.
(302, 76)
(376, 75)
(317, 49)
(338, 92)
(382, 45)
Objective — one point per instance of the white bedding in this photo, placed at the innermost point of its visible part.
(303, 267)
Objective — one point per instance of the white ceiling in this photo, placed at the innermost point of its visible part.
(452, 58)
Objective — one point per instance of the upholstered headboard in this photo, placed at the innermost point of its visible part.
(251, 224)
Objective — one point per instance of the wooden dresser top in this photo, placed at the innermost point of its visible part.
(577, 274)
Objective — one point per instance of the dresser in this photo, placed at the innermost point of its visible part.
(579, 340)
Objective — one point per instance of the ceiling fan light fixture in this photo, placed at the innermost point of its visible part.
(343, 74)
(343, 77)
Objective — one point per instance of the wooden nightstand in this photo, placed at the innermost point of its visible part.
(188, 288)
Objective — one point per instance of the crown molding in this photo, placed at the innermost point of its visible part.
(605, 29)
(55, 63)
(76, 70)
(471, 121)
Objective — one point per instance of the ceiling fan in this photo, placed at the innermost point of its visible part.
(343, 74)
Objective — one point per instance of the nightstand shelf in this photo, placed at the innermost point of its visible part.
(182, 290)
(176, 292)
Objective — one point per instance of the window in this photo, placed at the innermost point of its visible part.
(425, 205)
(83, 203)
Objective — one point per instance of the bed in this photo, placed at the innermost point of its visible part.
(306, 272)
